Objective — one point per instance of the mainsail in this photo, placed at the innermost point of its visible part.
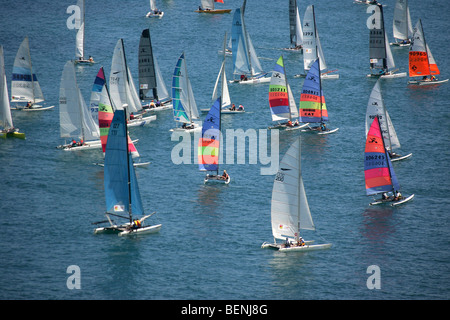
(311, 42)
(24, 84)
(245, 60)
(376, 108)
(151, 84)
(209, 142)
(6, 121)
(312, 101)
(421, 61)
(184, 105)
(122, 88)
(289, 206)
(402, 27)
(281, 99)
(121, 188)
(378, 171)
(75, 118)
(295, 25)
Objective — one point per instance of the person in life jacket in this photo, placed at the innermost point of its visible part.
(136, 224)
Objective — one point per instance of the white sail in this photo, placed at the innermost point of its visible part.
(289, 207)
(6, 121)
(75, 118)
(311, 43)
(376, 107)
(79, 40)
(24, 84)
(208, 4)
(292, 104)
(153, 5)
(223, 89)
(295, 25)
(402, 26)
(121, 84)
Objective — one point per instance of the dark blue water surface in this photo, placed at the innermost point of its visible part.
(209, 244)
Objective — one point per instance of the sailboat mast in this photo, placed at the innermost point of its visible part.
(31, 70)
(384, 38)
(246, 40)
(320, 89)
(128, 169)
(188, 88)
(426, 48)
(297, 235)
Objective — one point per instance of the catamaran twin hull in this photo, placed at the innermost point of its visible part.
(125, 230)
(35, 107)
(216, 179)
(425, 82)
(288, 128)
(398, 157)
(252, 81)
(304, 248)
(387, 76)
(392, 202)
(140, 122)
(90, 145)
(322, 76)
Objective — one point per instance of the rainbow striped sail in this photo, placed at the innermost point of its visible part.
(312, 101)
(379, 174)
(209, 142)
(278, 93)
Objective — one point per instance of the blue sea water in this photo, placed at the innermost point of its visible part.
(209, 245)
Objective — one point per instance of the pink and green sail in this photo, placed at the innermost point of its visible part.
(106, 112)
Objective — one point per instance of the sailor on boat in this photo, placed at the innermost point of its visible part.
(224, 175)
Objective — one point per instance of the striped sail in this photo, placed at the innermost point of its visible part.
(421, 61)
(106, 112)
(24, 84)
(378, 171)
(209, 142)
(312, 102)
(183, 101)
(121, 188)
(278, 93)
(289, 206)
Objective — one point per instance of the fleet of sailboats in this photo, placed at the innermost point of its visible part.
(118, 106)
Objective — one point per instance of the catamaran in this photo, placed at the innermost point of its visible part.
(25, 88)
(295, 28)
(290, 211)
(377, 108)
(381, 60)
(312, 49)
(421, 61)
(402, 26)
(6, 123)
(105, 112)
(208, 7)
(154, 11)
(378, 171)
(245, 61)
(151, 83)
(227, 107)
(281, 100)
(313, 108)
(183, 101)
(123, 90)
(75, 119)
(79, 41)
(209, 145)
(121, 186)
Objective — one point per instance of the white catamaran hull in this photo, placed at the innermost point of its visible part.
(124, 230)
(252, 81)
(307, 247)
(426, 83)
(89, 145)
(392, 202)
(224, 111)
(320, 132)
(288, 128)
(322, 76)
(388, 75)
(398, 158)
(196, 128)
(140, 122)
(216, 179)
